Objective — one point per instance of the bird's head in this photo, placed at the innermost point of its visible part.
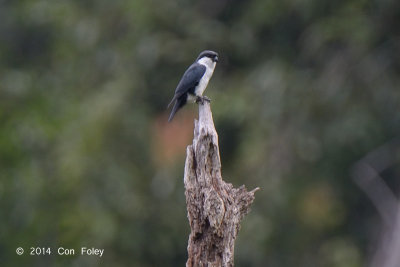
(208, 57)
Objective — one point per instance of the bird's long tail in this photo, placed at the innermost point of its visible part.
(174, 110)
(172, 101)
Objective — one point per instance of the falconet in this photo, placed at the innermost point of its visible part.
(194, 81)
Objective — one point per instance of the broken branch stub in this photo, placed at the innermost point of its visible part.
(215, 208)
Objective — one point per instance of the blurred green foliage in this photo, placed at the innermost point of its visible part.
(302, 91)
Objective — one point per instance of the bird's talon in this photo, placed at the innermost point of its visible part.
(206, 99)
(201, 99)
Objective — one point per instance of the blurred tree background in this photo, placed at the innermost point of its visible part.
(302, 91)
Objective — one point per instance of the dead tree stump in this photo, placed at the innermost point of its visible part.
(214, 207)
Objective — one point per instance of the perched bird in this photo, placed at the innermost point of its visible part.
(194, 81)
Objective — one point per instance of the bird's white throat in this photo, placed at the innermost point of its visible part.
(208, 62)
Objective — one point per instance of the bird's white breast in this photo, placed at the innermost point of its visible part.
(210, 65)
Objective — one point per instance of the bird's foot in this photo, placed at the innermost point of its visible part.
(205, 98)
(201, 99)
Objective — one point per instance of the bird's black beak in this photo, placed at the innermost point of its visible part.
(215, 59)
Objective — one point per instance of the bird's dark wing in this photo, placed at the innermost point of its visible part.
(190, 79)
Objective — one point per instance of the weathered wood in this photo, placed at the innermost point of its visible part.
(214, 207)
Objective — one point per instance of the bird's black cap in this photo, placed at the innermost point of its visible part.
(208, 53)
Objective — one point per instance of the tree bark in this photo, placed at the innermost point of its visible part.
(214, 207)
